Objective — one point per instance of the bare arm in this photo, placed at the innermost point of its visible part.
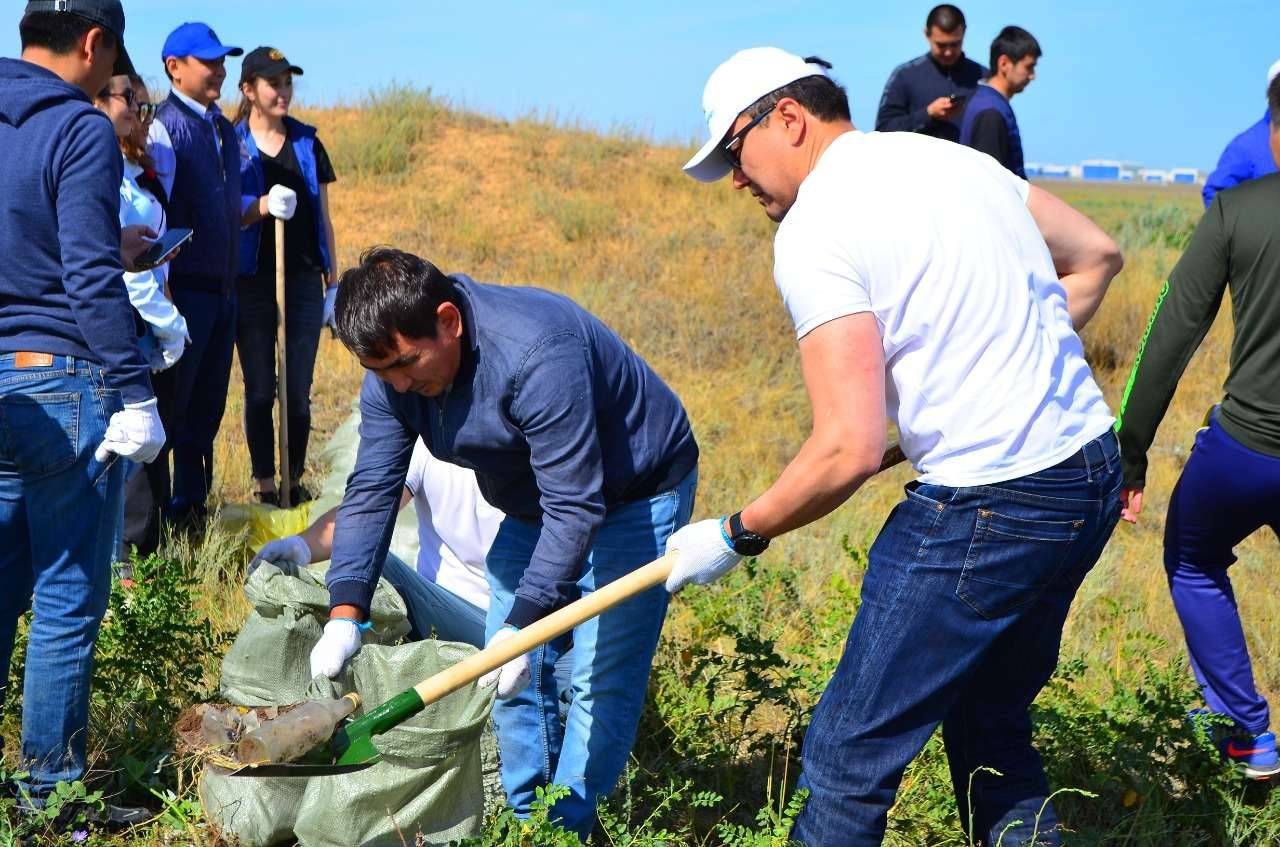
(1085, 257)
(319, 536)
(843, 365)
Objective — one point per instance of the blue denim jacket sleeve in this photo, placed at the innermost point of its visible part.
(554, 407)
(372, 500)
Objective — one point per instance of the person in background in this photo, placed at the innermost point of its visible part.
(989, 124)
(286, 174)
(197, 159)
(1230, 486)
(75, 393)
(928, 94)
(162, 330)
(1248, 155)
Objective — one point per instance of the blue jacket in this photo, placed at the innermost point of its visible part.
(557, 416)
(1247, 157)
(914, 85)
(1005, 146)
(61, 280)
(205, 198)
(303, 139)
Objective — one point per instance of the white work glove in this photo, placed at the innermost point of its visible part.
(340, 642)
(511, 678)
(330, 298)
(135, 432)
(282, 202)
(292, 550)
(171, 349)
(705, 555)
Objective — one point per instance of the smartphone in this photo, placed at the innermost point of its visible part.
(163, 248)
(957, 99)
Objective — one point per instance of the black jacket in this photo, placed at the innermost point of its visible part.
(914, 85)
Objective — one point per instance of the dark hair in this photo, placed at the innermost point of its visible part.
(946, 17)
(1273, 100)
(821, 96)
(59, 32)
(1014, 42)
(390, 291)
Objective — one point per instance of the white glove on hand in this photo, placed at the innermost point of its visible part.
(171, 349)
(514, 676)
(704, 554)
(282, 202)
(292, 550)
(135, 432)
(340, 642)
(330, 298)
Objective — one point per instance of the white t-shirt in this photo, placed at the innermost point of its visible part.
(984, 375)
(456, 525)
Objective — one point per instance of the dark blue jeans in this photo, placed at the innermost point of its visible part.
(201, 380)
(59, 515)
(256, 342)
(1225, 494)
(963, 604)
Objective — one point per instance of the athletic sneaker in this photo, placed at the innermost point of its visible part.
(1255, 756)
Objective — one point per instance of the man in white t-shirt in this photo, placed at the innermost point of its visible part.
(931, 287)
(456, 526)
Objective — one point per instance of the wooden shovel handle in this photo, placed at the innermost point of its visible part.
(540, 632)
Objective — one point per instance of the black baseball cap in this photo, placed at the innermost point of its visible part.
(265, 62)
(108, 14)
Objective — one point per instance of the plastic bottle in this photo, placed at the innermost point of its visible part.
(291, 736)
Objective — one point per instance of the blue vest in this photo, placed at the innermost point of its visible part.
(985, 99)
(205, 198)
(252, 186)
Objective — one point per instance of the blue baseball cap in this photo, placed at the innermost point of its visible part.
(196, 39)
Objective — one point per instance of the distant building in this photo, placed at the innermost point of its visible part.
(1112, 170)
(1186, 176)
(1102, 170)
(1153, 177)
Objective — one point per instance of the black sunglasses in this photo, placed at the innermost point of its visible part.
(732, 149)
(146, 111)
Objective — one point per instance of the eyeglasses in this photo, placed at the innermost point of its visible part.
(147, 112)
(130, 99)
(732, 149)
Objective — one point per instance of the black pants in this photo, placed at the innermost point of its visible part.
(147, 490)
(256, 342)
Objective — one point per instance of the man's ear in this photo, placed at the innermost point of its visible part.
(793, 117)
(448, 320)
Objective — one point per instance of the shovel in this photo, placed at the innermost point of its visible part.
(351, 748)
(282, 379)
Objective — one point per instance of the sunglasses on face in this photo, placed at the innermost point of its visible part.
(731, 150)
(146, 112)
(130, 99)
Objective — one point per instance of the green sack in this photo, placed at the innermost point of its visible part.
(270, 662)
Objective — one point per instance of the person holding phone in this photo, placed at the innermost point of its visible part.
(927, 94)
(285, 173)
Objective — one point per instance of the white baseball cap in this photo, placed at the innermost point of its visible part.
(1274, 72)
(743, 79)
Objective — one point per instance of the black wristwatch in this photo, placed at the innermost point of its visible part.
(743, 541)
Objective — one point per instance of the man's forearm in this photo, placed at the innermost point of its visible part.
(1086, 288)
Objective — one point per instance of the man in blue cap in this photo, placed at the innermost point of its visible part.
(74, 388)
(197, 158)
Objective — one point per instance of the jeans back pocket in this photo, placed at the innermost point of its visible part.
(41, 431)
(1012, 560)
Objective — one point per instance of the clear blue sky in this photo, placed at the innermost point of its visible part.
(1163, 83)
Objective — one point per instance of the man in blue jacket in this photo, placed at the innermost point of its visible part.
(927, 94)
(74, 388)
(197, 156)
(571, 435)
(1248, 156)
(989, 124)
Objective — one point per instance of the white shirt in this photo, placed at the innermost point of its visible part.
(456, 525)
(984, 375)
(146, 288)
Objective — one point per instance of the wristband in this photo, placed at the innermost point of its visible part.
(728, 541)
(363, 627)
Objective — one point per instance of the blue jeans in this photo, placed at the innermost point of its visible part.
(201, 380)
(432, 607)
(1225, 494)
(59, 513)
(963, 604)
(612, 657)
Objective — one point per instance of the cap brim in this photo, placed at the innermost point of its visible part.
(123, 65)
(217, 53)
(267, 71)
(708, 164)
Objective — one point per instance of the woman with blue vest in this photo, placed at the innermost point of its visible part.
(284, 173)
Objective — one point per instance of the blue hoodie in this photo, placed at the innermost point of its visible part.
(61, 281)
(1247, 157)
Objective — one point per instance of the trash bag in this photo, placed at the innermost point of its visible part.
(265, 523)
(429, 781)
(269, 663)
